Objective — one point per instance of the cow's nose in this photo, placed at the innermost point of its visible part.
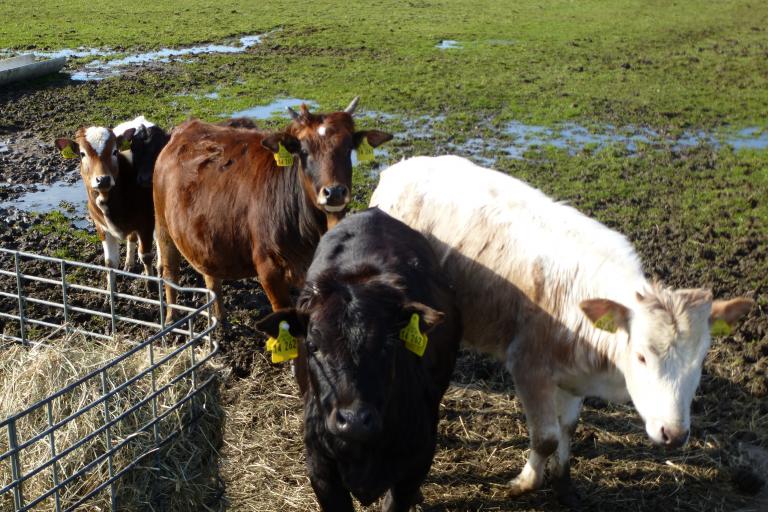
(102, 181)
(335, 195)
(674, 437)
(357, 423)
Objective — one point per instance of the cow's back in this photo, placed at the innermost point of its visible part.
(211, 186)
(512, 252)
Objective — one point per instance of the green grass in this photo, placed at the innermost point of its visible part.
(693, 62)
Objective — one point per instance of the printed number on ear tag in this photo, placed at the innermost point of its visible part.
(720, 328)
(68, 153)
(414, 340)
(283, 157)
(285, 347)
(365, 151)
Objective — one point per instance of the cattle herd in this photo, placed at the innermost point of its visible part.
(448, 252)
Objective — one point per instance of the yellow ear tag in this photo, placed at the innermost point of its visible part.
(125, 145)
(283, 157)
(607, 323)
(285, 347)
(68, 152)
(365, 151)
(414, 340)
(720, 328)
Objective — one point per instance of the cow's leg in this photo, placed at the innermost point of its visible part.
(272, 279)
(130, 252)
(168, 266)
(145, 254)
(568, 410)
(111, 246)
(326, 482)
(537, 393)
(402, 497)
(214, 285)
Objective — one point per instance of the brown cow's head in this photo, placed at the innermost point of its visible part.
(323, 145)
(98, 149)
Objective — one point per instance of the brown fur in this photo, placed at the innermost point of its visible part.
(232, 212)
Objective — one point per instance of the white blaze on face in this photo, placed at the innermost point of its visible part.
(663, 366)
(98, 138)
(321, 131)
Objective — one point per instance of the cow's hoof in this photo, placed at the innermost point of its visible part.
(521, 484)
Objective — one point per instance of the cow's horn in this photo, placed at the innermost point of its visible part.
(352, 106)
(293, 113)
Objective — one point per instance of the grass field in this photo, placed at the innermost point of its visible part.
(697, 213)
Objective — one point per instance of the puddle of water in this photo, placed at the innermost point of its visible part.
(449, 44)
(100, 69)
(275, 109)
(49, 198)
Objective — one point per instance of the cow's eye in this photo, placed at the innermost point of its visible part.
(114, 152)
(82, 154)
(641, 358)
(311, 347)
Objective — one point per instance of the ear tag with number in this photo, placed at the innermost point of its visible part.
(283, 157)
(607, 323)
(68, 152)
(720, 328)
(285, 347)
(414, 340)
(365, 151)
(125, 145)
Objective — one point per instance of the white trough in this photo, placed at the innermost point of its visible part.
(25, 67)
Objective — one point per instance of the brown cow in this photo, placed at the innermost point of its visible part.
(120, 208)
(224, 203)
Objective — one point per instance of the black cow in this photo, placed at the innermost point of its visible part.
(370, 404)
(146, 145)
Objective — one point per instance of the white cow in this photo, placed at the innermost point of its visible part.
(562, 300)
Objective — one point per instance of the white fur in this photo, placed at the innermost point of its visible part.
(111, 247)
(133, 123)
(460, 201)
(321, 131)
(97, 137)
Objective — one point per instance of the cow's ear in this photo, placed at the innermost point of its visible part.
(606, 314)
(429, 318)
(375, 137)
(290, 142)
(297, 323)
(725, 314)
(124, 139)
(68, 148)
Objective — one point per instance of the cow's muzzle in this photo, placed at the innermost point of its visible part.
(104, 182)
(334, 198)
(355, 423)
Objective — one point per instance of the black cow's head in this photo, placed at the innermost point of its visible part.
(146, 145)
(351, 328)
(323, 144)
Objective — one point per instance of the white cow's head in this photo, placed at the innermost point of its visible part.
(669, 335)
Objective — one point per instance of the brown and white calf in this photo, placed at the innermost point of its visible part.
(534, 279)
(120, 208)
(224, 203)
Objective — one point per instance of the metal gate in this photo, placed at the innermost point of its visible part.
(42, 296)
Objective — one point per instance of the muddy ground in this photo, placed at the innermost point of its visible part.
(482, 440)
